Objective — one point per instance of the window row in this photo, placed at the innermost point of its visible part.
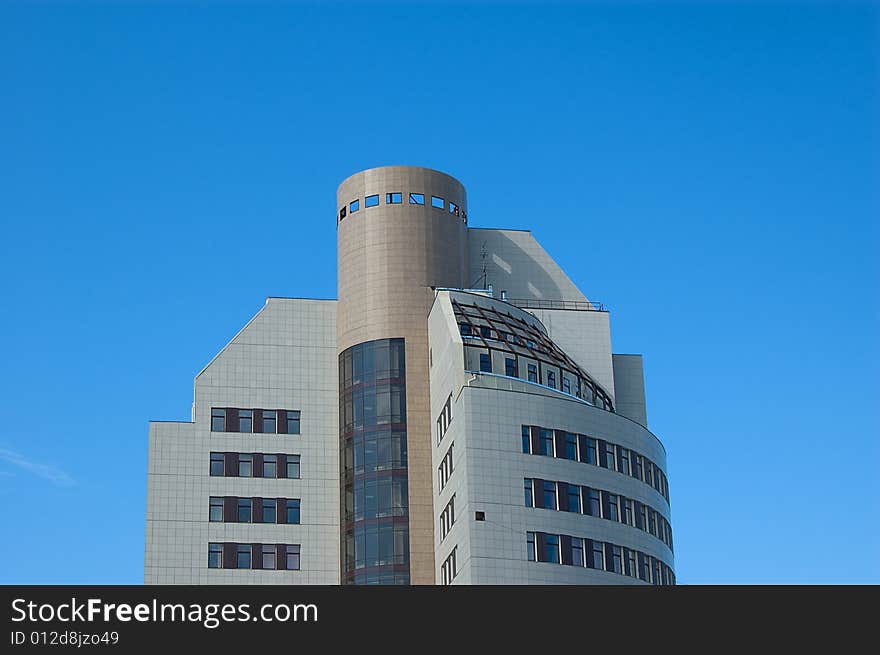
(598, 452)
(260, 421)
(375, 451)
(600, 555)
(232, 509)
(396, 198)
(565, 497)
(446, 467)
(444, 419)
(376, 496)
(448, 570)
(265, 557)
(447, 518)
(255, 465)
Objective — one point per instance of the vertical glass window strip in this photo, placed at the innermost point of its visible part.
(293, 423)
(245, 420)
(270, 466)
(528, 487)
(293, 466)
(530, 547)
(215, 509)
(218, 420)
(243, 556)
(293, 513)
(215, 556)
(292, 557)
(550, 500)
(526, 439)
(269, 421)
(547, 443)
(551, 546)
(218, 464)
(269, 510)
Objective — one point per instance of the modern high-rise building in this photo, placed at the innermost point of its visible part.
(455, 417)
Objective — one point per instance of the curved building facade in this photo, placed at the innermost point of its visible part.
(457, 416)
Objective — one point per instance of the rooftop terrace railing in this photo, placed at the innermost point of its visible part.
(574, 305)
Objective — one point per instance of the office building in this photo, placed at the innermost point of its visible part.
(456, 416)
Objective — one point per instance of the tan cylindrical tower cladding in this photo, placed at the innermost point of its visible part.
(390, 254)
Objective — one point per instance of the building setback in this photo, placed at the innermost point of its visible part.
(455, 417)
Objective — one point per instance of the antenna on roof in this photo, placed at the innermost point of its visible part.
(484, 276)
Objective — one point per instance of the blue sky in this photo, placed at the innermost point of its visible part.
(709, 172)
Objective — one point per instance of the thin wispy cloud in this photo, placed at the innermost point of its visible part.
(50, 473)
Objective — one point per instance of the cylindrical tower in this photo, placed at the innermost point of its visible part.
(401, 231)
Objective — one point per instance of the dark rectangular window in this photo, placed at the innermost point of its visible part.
(623, 460)
(293, 422)
(465, 329)
(547, 442)
(629, 562)
(550, 495)
(394, 198)
(293, 466)
(485, 331)
(354, 205)
(245, 420)
(371, 201)
(342, 213)
(268, 552)
(529, 498)
(218, 420)
(215, 509)
(637, 462)
(243, 556)
(245, 465)
(577, 551)
(591, 450)
(628, 513)
(269, 418)
(566, 384)
(270, 466)
(530, 546)
(551, 379)
(510, 368)
(215, 556)
(485, 363)
(292, 558)
(437, 202)
(417, 198)
(649, 472)
(598, 555)
(592, 502)
(217, 461)
(533, 373)
(613, 507)
(551, 547)
(268, 510)
(574, 498)
(293, 515)
(571, 446)
(526, 439)
(244, 510)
